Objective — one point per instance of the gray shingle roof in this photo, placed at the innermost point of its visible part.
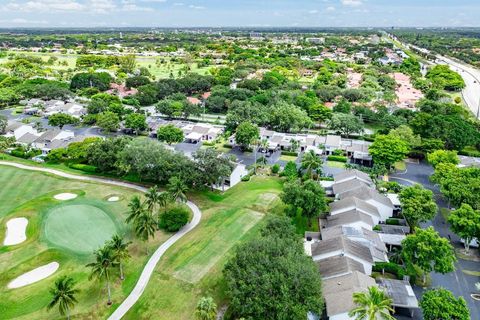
(352, 174)
(365, 193)
(338, 292)
(346, 204)
(344, 245)
(27, 138)
(348, 217)
(338, 266)
(344, 186)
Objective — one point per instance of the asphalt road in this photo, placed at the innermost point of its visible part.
(471, 76)
(460, 283)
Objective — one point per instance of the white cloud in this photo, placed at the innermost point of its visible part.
(44, 6)
(330, 9)
(352, 3)
(196, 7)
(313, 11)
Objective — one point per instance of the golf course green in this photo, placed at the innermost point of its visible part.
(81, 228)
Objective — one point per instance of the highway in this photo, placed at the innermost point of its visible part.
(471, 76)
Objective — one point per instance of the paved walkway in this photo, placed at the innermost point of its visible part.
(154, 259)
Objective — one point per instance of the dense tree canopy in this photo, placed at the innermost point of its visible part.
(270, 277)
(440, 303)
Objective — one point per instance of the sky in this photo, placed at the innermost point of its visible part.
(239, 13)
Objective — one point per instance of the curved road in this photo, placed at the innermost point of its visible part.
(154, 259)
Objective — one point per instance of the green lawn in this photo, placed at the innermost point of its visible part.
(192, 267)
(288, 158)
(335, 164)
(79, 226)
(31, 195)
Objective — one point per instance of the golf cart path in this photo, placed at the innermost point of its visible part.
(156, 256)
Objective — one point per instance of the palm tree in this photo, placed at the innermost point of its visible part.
(372, 305)
(104, 260)
(152, 198)
(177, 189)
(164, 198)
(311, 162)
(206, 309)
(120, 249)
(136, 208)
(63, 294)
(145, 226)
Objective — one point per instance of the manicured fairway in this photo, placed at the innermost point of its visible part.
(192, 268)
(81, 228)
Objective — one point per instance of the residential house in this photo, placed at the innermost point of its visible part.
(372, 196)
(338, 266)
(352, 218)
(18, 129)
(338, 293)
(365, 237)
(342, 246)
(353, 175)
(353, 203)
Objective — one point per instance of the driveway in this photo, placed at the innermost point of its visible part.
(458, 282)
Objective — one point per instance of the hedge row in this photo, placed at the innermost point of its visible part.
(392, 222)
(84, 167)
(337, 158)
(390, 267)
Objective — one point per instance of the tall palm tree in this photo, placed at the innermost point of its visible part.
(164, 199)
(177, 189)
(152, 198)
(136, 208)
(311, 162)
(145, 226)
(104, 261)
(120, 249)
(372, 305)
(206, 309)
(63, 294)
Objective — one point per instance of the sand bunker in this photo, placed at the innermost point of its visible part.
(15, 231)
(113, 199)
(35, 275)
(65, 196)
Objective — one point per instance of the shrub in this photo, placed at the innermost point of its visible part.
(246, 178)
(19, 154)
(393, 222)
(326, 178)
(337, 152)
(377, 228)
(275, 168)
(228, 146)
(84, 167)
(337, 158)
(390, 267)
(174, 219)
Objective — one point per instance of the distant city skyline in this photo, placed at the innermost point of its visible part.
(242, 13)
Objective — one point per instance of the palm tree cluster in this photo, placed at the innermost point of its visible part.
(144, 215)
(111, 255)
